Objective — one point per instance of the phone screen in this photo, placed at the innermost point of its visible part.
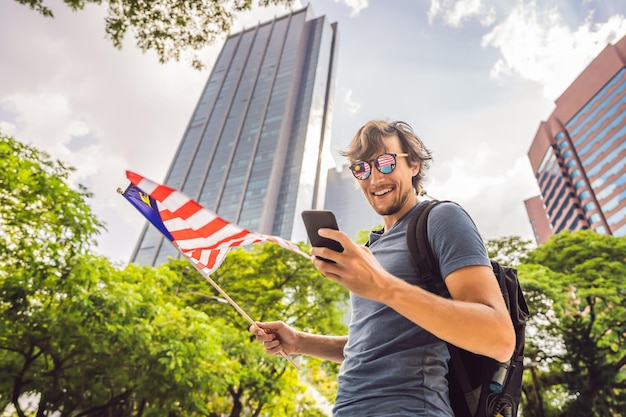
(321, 219)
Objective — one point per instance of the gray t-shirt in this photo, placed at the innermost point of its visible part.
(392, 367)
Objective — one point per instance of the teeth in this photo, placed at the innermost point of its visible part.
(382, 192)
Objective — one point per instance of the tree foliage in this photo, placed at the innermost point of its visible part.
(575, 289)
(508, 250)
(80, 337)
(167, 27)
(40, 215)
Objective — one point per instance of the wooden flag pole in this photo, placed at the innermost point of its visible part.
(236, 306)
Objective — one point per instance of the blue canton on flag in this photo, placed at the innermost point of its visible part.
(148, 207)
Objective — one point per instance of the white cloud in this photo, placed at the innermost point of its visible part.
(537, 45)
(350, 106)
(49, 122)
(7, 128)
(492, 198)
(46, 120)
(454, 12)
(355, 5)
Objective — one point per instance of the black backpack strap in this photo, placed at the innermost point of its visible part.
(427, 267)
(422, 255)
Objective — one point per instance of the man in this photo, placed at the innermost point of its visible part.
(394, 360)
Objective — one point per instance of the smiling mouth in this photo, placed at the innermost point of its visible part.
(382, 192)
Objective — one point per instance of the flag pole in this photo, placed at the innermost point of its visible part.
(236, 307)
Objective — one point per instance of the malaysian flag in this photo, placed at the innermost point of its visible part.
(361, 169)
(202, 237)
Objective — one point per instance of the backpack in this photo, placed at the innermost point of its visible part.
(479, 386)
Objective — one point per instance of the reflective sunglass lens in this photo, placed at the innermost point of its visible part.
(386, 163)
(361, 170)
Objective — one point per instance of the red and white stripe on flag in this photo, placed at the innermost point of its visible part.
(201, 235)
(386, 160)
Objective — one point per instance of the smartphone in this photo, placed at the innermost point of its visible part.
(321, 219)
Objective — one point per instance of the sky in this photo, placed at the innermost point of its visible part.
(474, 78)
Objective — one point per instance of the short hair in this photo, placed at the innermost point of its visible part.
(370, 139)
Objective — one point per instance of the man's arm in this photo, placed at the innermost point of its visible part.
(279, 337)
(476, 319)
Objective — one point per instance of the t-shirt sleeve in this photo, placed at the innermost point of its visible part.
(454, 239)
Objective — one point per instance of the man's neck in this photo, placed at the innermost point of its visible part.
(391, 219)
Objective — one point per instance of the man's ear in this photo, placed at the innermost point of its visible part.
(415, 168)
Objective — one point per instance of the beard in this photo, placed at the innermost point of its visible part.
(395, 207)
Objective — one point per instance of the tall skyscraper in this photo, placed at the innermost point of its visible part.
(579, 154)
(254, 150)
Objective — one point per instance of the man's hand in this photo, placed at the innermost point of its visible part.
(276, 337)
(355, 268)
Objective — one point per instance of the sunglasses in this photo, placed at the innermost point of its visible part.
(384, 163)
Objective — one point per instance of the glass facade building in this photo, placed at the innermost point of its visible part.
(579, 154)
(254, 150)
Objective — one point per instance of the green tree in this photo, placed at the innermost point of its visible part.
(40, 216)
(508, 250)
(363, 236)
(575, 289)
(97, 342)
(167, 27)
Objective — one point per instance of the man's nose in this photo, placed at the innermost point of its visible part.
(375, 174)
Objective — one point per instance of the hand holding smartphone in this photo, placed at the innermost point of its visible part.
(321, 219)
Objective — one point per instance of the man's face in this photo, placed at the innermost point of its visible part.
(391, 194)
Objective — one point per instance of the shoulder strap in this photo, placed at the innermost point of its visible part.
(422, 254)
